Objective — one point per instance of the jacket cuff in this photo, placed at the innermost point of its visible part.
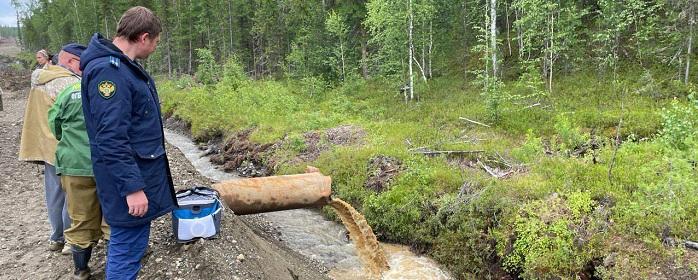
(131, 187)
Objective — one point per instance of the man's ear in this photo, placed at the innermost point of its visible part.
(142, 37)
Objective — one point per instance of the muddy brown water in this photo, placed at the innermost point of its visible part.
(309, 233)
(367, 246)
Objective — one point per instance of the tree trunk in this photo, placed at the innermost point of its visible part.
(519, 34)
(508, 36)
(341, 53)
(431, 46)
(106, 28)
(552, 42)
(178, 48)
(424, 48)
(410, 51)
(169, 53)
(465, 40)
(493, 35)
(689, 50)
(19, 30)
(230, 25)
(364, 52)
(191, 50)
(77, 19)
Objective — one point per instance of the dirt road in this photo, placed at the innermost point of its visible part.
(244, 250)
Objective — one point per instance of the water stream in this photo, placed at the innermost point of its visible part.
(309, 233)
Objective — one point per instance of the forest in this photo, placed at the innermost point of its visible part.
(532, 139)
(7, 31)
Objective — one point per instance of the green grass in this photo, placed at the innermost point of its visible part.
(550, 220)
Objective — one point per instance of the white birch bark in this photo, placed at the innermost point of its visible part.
(493, 35)
(552, 44)
(689, 49)
(431, 46)
(411, 49)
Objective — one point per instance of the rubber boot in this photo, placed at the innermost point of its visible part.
(81, 257)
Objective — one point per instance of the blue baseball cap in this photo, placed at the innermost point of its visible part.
(74, 48)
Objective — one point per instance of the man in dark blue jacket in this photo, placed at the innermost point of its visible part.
(122, 116)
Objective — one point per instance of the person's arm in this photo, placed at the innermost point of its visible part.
(110, 98)
(55, 114)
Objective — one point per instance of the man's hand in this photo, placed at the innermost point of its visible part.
(137, 203)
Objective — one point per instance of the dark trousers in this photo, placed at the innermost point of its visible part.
(126, 248)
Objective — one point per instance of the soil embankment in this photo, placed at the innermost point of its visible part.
(239, 253)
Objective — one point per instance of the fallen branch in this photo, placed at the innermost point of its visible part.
(431, 153)
(531, 106)
(475, 122)
(503, 161)
(675, 241)
(492, 172)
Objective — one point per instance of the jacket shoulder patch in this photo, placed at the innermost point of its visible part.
(106, 89)
(114, 61)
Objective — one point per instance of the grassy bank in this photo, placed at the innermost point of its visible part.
(568, 202)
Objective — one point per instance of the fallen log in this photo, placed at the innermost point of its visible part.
(432, 153)
(675, 241)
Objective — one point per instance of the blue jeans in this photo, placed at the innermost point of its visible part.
(55, 203)
(127, 246)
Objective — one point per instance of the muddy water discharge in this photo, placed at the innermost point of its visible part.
(310, 234)
(367, 246)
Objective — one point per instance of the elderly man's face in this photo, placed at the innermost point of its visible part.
(74, 64)
(70, 61)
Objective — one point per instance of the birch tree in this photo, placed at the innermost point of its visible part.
(391, 24)
(336, 25)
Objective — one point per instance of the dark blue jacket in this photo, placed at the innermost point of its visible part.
(122, 116)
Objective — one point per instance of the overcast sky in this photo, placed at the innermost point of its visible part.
(7, 14)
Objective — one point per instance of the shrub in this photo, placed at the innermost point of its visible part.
(208, 71)
(678, 124)
(568, 134)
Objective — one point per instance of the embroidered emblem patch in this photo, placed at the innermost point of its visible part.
(106, 89)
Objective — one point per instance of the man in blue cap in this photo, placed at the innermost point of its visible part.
(124, 125)
(74, 165)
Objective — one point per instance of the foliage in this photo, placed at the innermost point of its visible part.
(234, 74)
(551, 219)
(208, 71)
(568, 134)
(531, 150)
(8, 32)
(544, 231)
(679, 124)
(285, 68)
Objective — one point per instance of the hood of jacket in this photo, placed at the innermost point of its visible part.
(100, 47)
(51, 73)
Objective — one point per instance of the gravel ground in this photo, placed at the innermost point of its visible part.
(247, 248)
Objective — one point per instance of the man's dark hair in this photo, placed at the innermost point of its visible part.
(136, 21)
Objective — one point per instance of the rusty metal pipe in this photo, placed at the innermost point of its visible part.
(275, 193)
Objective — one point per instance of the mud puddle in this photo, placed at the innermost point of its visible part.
(309, 233)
